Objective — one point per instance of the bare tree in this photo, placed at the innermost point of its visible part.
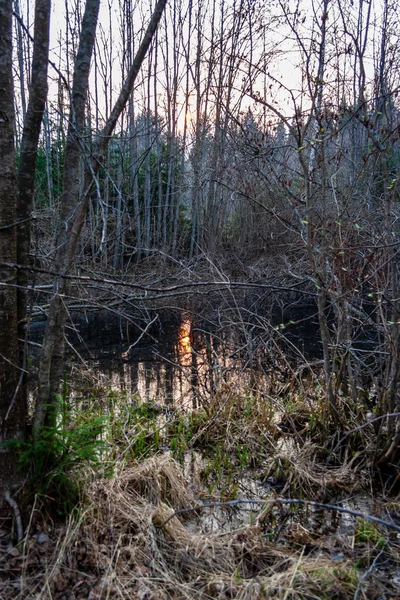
(51, 361)
(74, 205)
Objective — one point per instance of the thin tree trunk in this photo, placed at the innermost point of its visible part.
(49, 162)
(29, 145)
(135, 180)
(20, 51)
(199, 135)
(147, 185)
(52, 354)
(119, 220)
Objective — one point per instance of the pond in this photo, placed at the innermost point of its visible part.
(181, 367)
(176, 359)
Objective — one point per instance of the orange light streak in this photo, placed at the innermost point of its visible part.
(184, 343)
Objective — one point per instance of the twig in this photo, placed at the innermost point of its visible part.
(359, 427)
(56, 69)
(366, 574)
(334, 507)
(16, 223)
(212, 420)
(294, 574)
(34, 344)
(17, 514)
(153, 289)
(144, 331)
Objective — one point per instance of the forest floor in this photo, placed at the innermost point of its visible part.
(233, 501)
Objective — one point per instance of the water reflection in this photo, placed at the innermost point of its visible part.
(180, 367)
(184, 340)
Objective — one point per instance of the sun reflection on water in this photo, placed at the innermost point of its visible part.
(184, 338)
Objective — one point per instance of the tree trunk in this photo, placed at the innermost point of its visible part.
(51, 359)
(20, 53)
(13, 408)
(28, 152)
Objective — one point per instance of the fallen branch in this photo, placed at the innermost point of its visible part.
(17, 514)
(286, 501)
(368, 573)
(160, 290)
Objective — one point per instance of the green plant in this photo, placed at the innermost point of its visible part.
(180, 432)
(243, 455)
(134, 425)
(56, 461)
(367, 533)
(249, 402)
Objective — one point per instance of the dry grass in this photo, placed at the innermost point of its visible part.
(126, 542)
(303, 470)
(121, 547)
(236, 417)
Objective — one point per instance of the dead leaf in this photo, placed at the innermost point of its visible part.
(61, 582)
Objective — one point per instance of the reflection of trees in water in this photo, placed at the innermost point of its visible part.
(194, 377)
(134, 370)
(169, 383)
(181, 368)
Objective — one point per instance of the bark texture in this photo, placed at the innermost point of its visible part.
(12, 402)
(29, 146)
(52, 355)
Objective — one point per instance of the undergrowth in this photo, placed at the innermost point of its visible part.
(142, 528)
(277, 439)
(59, 462)
(145, 533)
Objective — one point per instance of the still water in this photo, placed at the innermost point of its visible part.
(180, 361)
(181, 368)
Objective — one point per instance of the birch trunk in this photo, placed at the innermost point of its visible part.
(29, 145)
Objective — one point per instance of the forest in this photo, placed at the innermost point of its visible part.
(204, 195)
